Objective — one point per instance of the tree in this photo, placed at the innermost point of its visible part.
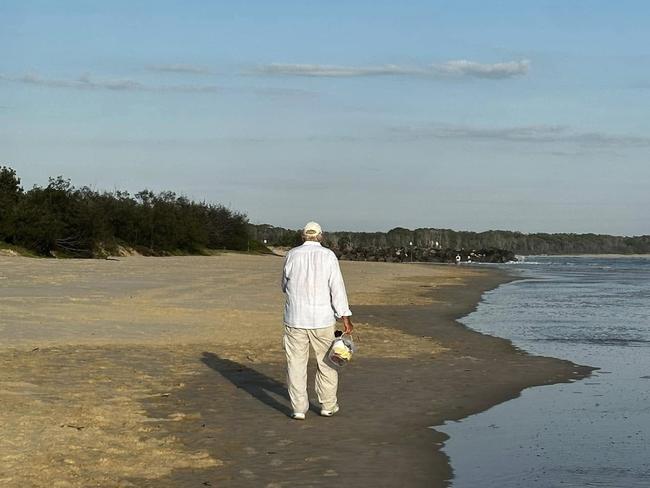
(10, 194)
(82, 222)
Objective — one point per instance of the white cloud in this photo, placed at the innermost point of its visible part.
(451, 69)
(86, 82)
(541, 134)
(180, 68)
(462, 67)
(336, 71)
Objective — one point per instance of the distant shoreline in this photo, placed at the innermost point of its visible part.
(604, 255)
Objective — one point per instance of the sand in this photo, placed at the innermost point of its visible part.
(169, 372)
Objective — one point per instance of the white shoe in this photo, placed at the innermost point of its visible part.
(329, 413)
(298, 416)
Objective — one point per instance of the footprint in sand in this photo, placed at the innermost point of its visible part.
(313, 459)
(247, 473)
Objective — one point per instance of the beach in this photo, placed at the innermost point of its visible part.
(168, 372)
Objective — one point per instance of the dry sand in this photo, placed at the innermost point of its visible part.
(232, 299)
(169, 372)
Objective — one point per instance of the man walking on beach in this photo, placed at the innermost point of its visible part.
(316, 297)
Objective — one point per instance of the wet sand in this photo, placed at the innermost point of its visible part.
(169, 372)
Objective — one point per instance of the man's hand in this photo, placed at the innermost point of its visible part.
(347, 325)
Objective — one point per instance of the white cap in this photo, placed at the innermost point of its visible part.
(312, 229)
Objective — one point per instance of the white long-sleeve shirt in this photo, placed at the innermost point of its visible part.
(314, 287)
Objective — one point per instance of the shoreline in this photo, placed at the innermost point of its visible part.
(385, 433)
(495, 370)
(183, 402)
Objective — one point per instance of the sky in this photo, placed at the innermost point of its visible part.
(361, 115)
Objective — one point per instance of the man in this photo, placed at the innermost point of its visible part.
(316, 297)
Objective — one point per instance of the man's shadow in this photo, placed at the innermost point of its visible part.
(252, 382)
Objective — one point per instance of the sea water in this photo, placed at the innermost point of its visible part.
(592, 432)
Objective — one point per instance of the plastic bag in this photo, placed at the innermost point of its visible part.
(340, 351)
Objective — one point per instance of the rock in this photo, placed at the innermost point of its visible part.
(419, 254)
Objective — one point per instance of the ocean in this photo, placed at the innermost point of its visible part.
(594, 432)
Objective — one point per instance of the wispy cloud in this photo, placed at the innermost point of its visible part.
(450, 69)
(336, 71)
(180, 68)
(86, 82)
(541, 134)
(462, 67)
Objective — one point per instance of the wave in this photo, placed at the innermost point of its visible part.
(604, 341)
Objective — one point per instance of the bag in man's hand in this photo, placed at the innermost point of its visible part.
(341, 351)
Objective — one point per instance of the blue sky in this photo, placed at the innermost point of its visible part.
(530, 116)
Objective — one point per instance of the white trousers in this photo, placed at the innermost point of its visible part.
(296, 347)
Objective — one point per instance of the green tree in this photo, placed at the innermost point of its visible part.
(10, 194)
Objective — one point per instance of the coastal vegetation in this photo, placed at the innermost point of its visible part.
(60, 219)
(423, 239)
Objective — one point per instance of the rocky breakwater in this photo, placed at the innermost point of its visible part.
(397, 245)
(424, 254)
